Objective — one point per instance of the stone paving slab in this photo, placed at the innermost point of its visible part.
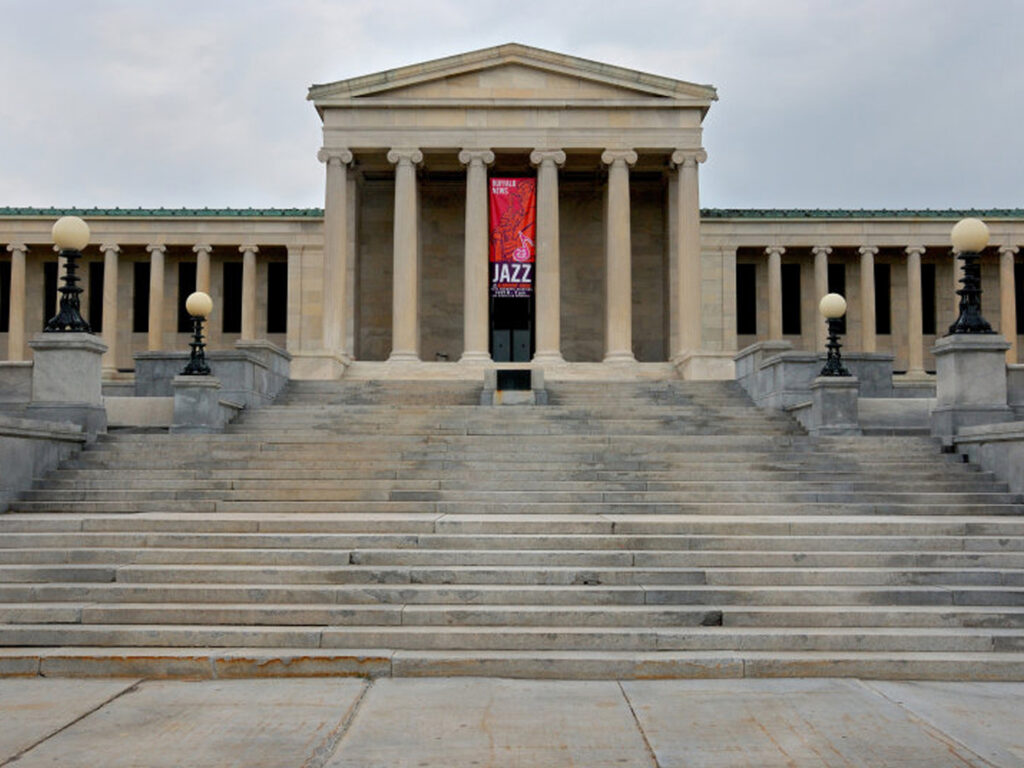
(34, 709)
(471, 722)
(761, 723)
(243, 723)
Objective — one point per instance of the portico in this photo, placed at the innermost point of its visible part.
(605, 145)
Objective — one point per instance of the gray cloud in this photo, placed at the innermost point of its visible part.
(908, 103)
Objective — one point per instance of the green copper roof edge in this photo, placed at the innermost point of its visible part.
(707, 213)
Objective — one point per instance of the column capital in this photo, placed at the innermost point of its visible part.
(110, 248)
(775, 250)
(542, 156)
(336, 155)
(1013, 250)
(405, 156)
(826, 249)
(17, 248)
(915, 249)
(868, 250)
(248, 248)
(161, 249)
(202, 248)
(689, 157)
(611, 156)
(474, 156)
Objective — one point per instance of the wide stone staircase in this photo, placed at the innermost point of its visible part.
(627, 529)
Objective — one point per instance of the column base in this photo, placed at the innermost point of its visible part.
(700, 365)
(621, 356)
(475, 357)
(318, 365)
(403, 357)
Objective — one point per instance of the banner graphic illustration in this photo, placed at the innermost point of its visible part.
(513, 230)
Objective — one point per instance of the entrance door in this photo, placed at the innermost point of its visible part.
(511, 329)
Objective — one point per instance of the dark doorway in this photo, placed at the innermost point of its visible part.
(511, 329)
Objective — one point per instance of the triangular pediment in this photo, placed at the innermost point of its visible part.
(511, 72)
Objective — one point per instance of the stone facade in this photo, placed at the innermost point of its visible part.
(629, 270)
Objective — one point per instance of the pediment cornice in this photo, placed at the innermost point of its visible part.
(618, 86)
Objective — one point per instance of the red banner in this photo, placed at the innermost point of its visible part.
(513, 231)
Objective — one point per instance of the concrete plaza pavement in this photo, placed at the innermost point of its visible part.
(474, 722)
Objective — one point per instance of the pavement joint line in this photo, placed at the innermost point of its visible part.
(130, 688)
(921, 719)
(639, 727)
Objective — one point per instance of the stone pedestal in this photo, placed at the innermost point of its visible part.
(834, 406)
(67, 374)
(970, 373)
(197, 405)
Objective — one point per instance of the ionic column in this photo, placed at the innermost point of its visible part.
(548, 288)
(915, 327)
(335, 288)
(775, 291)
(16, 308)
(475, 285)
(248, 292)
(618, 303)
(155, 340)
(202, 252)
(867, 298)
(405, 316)
(1007, 300)
(821, 253)
(110, 264)
(687, 255)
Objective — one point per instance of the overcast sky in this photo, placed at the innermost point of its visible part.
(849, 103)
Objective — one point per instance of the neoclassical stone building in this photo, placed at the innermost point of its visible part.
(392, 277)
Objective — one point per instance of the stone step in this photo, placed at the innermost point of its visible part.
(241, 661)
(502, 594)
(526, 638)
(610, 557)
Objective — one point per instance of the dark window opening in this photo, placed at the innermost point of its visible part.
(140, 297)
(791, 305)
(277, 297)
(746, 299)
(95, 316)
(883, 295)
(186, 287)
(49, 290)
(5, 296)
(231, 319)
(837, 284)
(928, 298)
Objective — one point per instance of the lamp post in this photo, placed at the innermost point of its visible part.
(832, 307)
(71, 235)
(198, 305)
(970, 236)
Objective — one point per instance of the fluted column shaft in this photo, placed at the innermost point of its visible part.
(548, 287)
(248, 292)
(618, 309)
(867, 298)
(155, 338)
(405, 325)
(475, 323)
(775, 291)
(202, 252)
(688, 256)
(335, 285)
(1008, 300)
(915, 327)
(821, 254)
(110, 267)
(16, 307)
